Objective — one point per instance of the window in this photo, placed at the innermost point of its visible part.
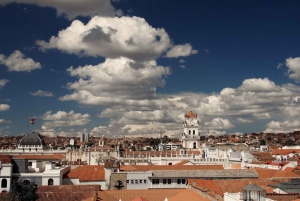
(169, 181)
(183, 181)
(164, 181)
(4, 183)
(141, 181)
(189, 132)
(193, 132)
(29, 163)
(127, 181)
(132, 182)
(50, 182)
(194, 145)
(178, 181)
(145, 181)
(155, 181)
(136, 181)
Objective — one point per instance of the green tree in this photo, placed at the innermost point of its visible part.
(23, 192)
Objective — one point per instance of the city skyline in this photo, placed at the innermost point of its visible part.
(125, 67)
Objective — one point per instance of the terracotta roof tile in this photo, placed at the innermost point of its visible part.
(127, 168)
(140, 199)
(231, 185)
(191, 115)
(87, 173)
(150, 194)
(6, 159)
(182, 162)
(265, 173)
(191, 195)
(282, 197)
(284, 151)
(268, 173)
(103, 196)
(261, 154)
(236, 166)
(289, 169)
(40, 156)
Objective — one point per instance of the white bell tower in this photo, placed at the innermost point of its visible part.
(191, 134)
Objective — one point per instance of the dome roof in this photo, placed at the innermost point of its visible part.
(32, 139)
(191, 115)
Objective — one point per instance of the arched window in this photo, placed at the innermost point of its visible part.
(193, 132)
(4, 183)
(189, 132)
(50, 182)
(26, 182)
(194, 145)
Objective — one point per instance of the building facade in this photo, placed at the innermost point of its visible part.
(191, 134)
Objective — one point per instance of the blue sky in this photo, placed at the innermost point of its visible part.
(134, 68)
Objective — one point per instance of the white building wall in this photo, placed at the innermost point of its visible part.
(5, 173)
(169, 183)
(55, 173)
(138, 180)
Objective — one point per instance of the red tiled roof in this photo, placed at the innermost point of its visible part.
(265, 173)
(230, 185)
(182, 162)
(155, 194)
(284, 151)
(128, 168)
(87, 173)
(191, 195)
(289, 169)
(140, 199)
(6, 159)
(191, 115)
(40, 156)
(269, 173)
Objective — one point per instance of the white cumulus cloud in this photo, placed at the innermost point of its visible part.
(242, 120)
(181, 51)
(111, 37)
(72, 8)
(103, 85)
(4, 107)
(282, 127)
(17, 62)
(63, 119)
(41, 93)
(293, 65)
(218, 123)
(3, 82)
